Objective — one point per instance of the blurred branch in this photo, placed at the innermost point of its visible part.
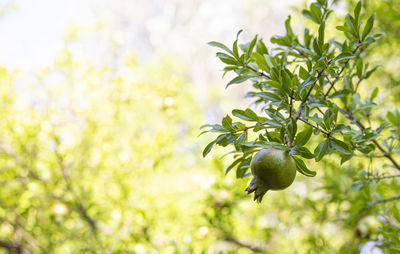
(244, 245)
(20, 226)
(379, 177)
(8, 150)
(386, 200)
(369, 156)
(11, 247)
(80, 206)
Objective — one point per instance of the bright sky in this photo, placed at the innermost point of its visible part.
(32, 33)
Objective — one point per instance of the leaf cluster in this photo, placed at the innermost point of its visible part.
(304, 87)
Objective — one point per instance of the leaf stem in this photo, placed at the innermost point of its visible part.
(256, 71)
(250, 127)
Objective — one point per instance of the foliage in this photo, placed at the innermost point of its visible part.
(388, 51)
(309, 96)
(83, 159)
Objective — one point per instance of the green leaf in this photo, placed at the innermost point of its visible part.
(242, 115)
(292, 128)
(374, 93)
(321, 150)
(303, 73)
(275, 123)
(360, 67)
(214, 128)
(308, 82)
(250, 113)
(369, 72)
(357, 11)
(321, 32)
(242, 138)
(303, 152)
(235, 47)
(221, 46)
(302, 168)
(269, 96)
(273, 83)
(343, 56)
(238, 80)
(251, 47)
(316, 47)
(233, 164)
(396, 213)
(308, 15)
(350, 25)
(289, 30)
(341, 147)
(392, 118)
(260, 61)
(226, 58)
(208, 148)
(261, 48)
(316, 12)
(225, 139)
(368, 26)
(227, 122)
(303, 137)
(243, 167)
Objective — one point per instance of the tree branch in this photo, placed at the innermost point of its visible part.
(379, 178)
(80, 207)
(245, 245)
(386, 154)
(386, 200)
(11, 247)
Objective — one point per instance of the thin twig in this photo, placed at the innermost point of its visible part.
(301, 53)
(386, 200)
(369, 156)
(250, 127)
(79, 204)
(379, 178)
(358, 83)
(315, 127)
(338, 77)
(258, 72)
(304, 101)
(245, 245)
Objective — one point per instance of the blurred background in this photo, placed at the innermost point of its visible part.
(101, 103)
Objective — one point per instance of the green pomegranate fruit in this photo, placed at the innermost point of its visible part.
(272, 169)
